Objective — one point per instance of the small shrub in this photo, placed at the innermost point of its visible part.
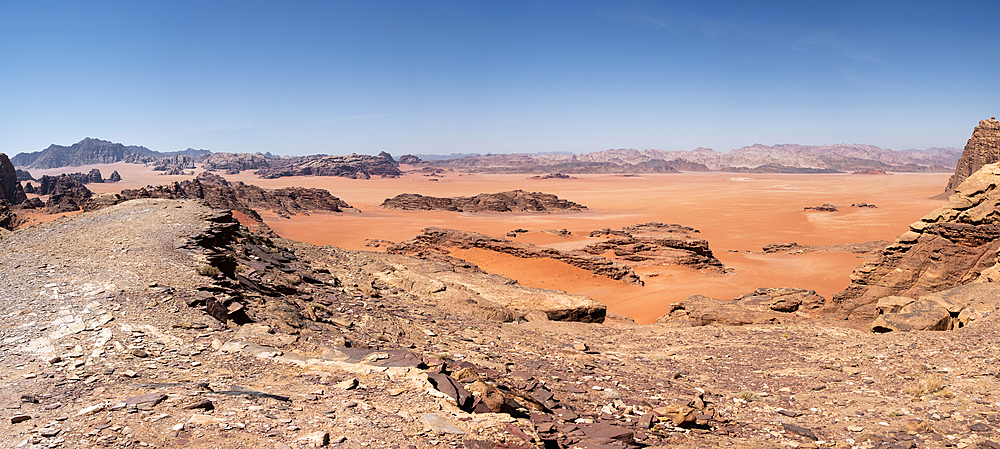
(207, 270)
(927, 384)
(748, 396)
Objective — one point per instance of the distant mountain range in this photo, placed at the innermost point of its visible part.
(93, 151)
(784, 158)
(809, 158)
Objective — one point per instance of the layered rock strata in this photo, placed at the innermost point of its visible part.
(656, 244)
(512, 201)
(434, 244)
(981, 149)
(954, 245)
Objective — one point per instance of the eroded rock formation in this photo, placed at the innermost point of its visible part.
(981, 149)
(763, 306)
(357, 166)
(512, 201)
(233, 163)
(240, 197)
(435, 242)
(954, 245)
(656, 244)
(10, 188)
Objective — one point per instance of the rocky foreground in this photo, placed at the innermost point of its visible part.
(163, 323)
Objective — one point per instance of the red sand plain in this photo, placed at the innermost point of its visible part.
(733, 212)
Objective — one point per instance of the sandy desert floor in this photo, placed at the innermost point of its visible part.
(736, 213)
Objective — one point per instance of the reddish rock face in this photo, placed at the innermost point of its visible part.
(955, 245)
(983, 148)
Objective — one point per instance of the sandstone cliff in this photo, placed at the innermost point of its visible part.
(512, 201)
(981, 149)
(232, 163)
(954, 245)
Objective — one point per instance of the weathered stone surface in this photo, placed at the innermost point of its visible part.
(982, 148)
(785, 299)
(954, 245)
(703, 311)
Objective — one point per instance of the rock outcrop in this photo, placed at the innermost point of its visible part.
(174, 165)
(763, 306)
(409, 159)
(233, 163)
(8, 219)
(240, 197)
(945, 310)
(23, 175)
(434, 243)
(11, 190)
(512, 201)
(115, 177)
(954, 245)
(981, 149)
(66, 194)
(357, 166)
(656, 244)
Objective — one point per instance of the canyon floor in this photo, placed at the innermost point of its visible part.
(100, 347)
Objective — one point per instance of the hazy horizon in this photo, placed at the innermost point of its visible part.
(441, 77)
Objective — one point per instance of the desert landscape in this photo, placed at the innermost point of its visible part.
(388, 304)
(488, 224)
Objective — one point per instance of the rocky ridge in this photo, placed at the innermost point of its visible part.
(981, 149)
(357, 166)
(93, 151)
(954, 245)
(242, 198)
(786, 158)
(512, 201)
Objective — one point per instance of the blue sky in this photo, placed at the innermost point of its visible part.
(294, 77)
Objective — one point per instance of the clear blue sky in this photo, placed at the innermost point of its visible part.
(293, 77)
